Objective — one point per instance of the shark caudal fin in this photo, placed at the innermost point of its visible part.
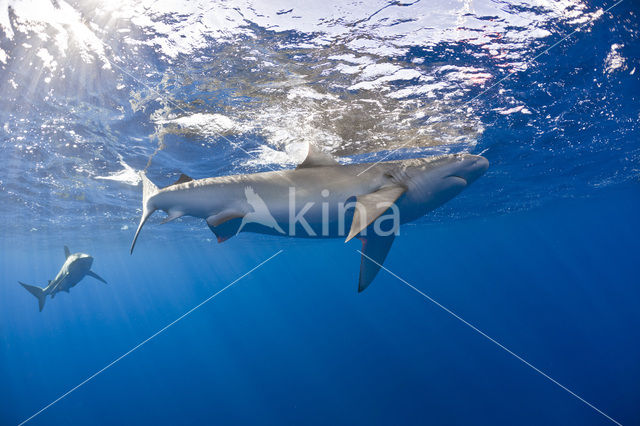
(148, 190)
(37, 292)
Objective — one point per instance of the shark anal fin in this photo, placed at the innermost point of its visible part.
(96, 276)
(317, 158)
(374, 251)
(370, 206)
(226, 229)
(67, 252)
(172, 216)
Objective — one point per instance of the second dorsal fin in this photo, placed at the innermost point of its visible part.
(182, 179)
(317, 158)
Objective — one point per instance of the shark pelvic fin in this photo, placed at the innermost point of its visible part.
(96, 276)
(226, 227)
(182, 179)
(317, 158)
(67, 252)
(370, 206)
(222, 217)
(374, 251)
(149, 189)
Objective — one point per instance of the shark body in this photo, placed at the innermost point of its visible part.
(321, 198)
(76, 266)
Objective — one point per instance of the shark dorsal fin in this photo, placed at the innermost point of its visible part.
(67, 252)
(182, 179)
(370, 206)
(317, 158)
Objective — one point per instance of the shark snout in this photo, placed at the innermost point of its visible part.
(476, 168)
(468, 168)
(84, 259)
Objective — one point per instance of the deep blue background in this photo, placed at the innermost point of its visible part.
(294, 343)
(541, 254)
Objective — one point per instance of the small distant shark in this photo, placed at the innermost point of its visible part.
(320, 198)
(74, 269)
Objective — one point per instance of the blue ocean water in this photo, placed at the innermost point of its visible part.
(540, 253)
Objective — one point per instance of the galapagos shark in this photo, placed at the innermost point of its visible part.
(75, 268)
(321, 198)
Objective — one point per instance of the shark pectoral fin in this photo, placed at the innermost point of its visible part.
(374, 251)
(67, 252)
(225, 224)
(96, 276)
(317, 158)
(172, 215)
(370, 206)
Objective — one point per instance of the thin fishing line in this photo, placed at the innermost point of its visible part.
(139, 345)
(494, 341)
(506, 77)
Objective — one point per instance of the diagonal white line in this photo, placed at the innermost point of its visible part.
(112, 363)
(494, 341)
(544, 52)
(505, 77)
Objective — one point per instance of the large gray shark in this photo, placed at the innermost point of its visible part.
(74, 269)
(320, 198)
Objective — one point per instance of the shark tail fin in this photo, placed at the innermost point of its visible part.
(37, 292)
(149, 189)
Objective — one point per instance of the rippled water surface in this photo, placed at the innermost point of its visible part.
(93, 92)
